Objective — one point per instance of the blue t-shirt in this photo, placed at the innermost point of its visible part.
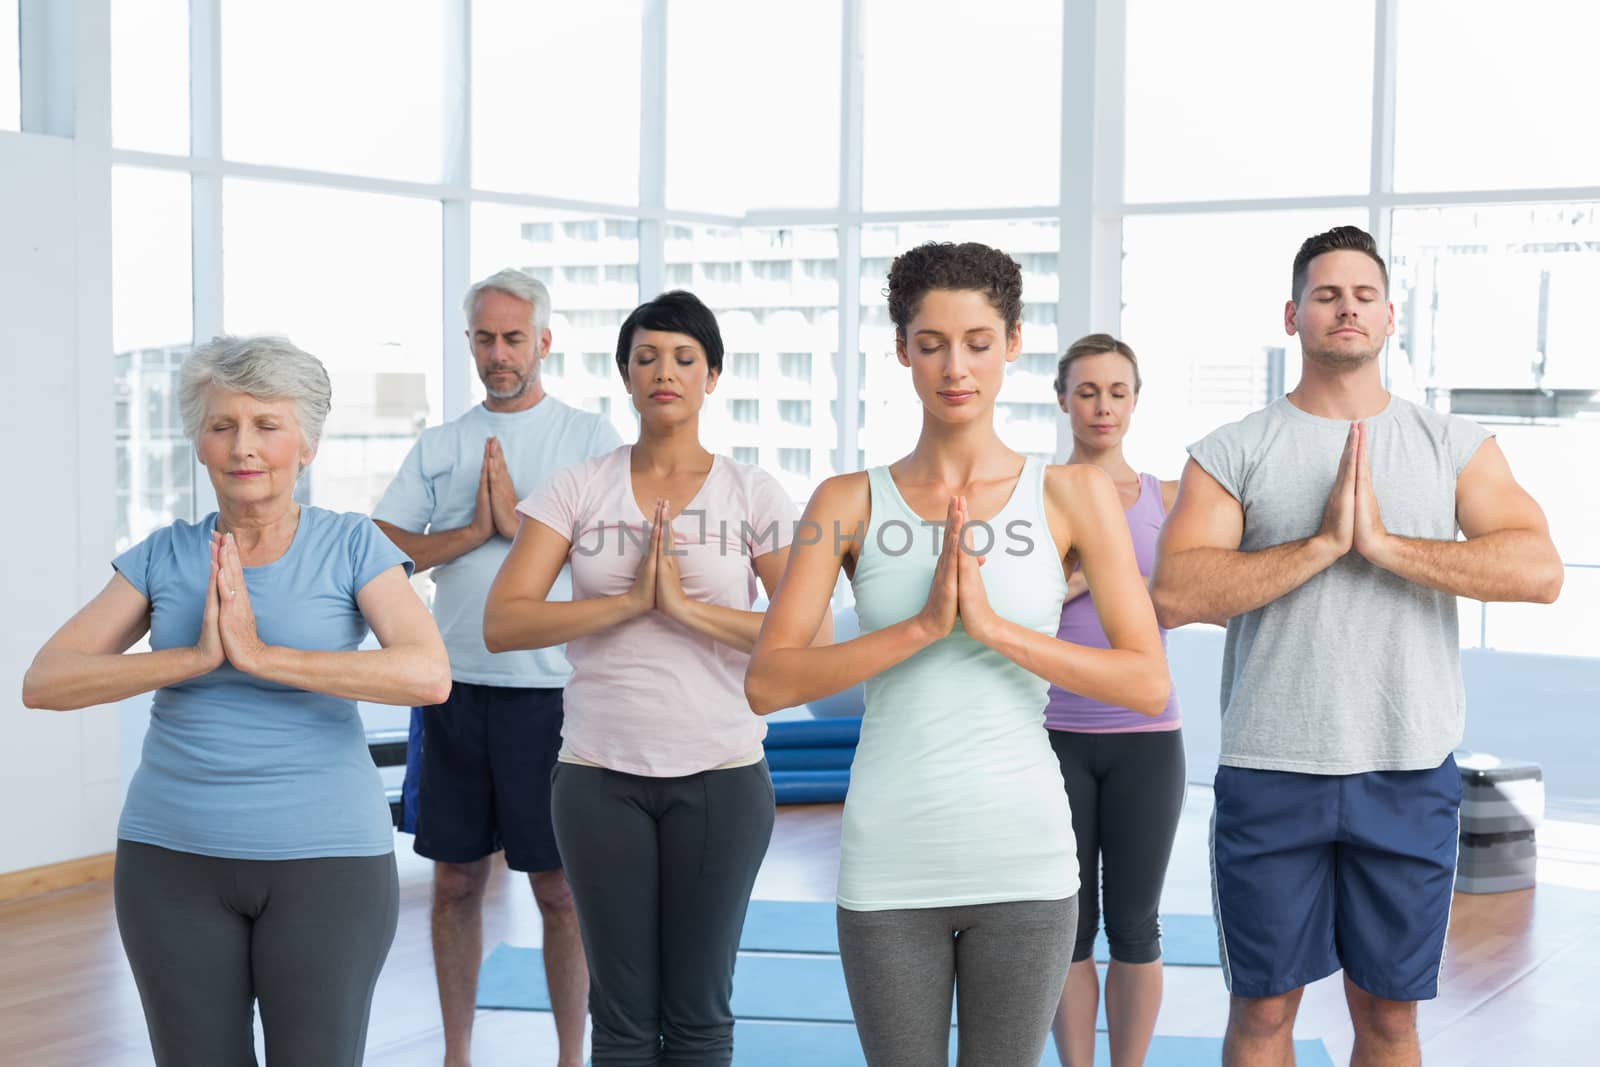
(437, 487)
(238, 767)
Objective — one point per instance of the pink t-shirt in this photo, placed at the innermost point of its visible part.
(651, 696)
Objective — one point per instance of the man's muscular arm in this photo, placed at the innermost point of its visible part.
(1508, 554)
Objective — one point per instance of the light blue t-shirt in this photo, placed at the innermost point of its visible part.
(238, 767)
(437, 488)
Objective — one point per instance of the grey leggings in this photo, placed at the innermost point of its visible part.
(206, 937)
(1126, 792)
(1006, 962)
(661, 871)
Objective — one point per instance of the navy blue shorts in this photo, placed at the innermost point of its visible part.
(1312, 873)
(487, 754)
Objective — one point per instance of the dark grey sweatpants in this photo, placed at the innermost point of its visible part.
(661, 871)
(1007, 963)
(208, 937)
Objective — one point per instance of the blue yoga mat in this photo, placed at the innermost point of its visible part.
(790, 988)
(794, 1010)
(790, 926)
(808, 926)
(758, 1044)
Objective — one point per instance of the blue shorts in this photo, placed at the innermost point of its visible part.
(1312, 873)
(484, 786)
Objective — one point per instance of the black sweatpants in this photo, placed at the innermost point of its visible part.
(207, 937)
(661, 871)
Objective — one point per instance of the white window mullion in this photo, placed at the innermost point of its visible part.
(851, 151)
(1093, 59)
(652, 149)
(205, 192)
(455, 215)
(1379, 214)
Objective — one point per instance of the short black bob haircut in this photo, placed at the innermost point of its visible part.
(677, 311)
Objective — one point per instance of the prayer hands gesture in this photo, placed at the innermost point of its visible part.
(956, 590)
(502, 494)
(658, 583)
(1351, 519)
(229, 624)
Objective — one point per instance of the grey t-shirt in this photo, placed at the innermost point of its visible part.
(1358, 669)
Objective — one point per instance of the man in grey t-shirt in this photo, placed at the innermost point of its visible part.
(1322, 529)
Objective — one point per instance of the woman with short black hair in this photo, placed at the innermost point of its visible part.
(662, 803)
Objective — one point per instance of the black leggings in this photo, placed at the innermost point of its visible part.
(661, 871)
(206, 937)
(1126, 792)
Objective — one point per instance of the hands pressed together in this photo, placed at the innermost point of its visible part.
(1351, 520)
(957, 591)
(228, 624)
(495, 511)
(658, 583)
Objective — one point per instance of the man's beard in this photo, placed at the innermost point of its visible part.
(1341, 358)
(523, 382)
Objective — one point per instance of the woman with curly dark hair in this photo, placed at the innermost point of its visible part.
(957, 866)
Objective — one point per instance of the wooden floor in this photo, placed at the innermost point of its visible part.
(1519, 981)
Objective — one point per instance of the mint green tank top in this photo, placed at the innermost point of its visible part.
(955, 793)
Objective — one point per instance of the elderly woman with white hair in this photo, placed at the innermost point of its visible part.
(255, 857)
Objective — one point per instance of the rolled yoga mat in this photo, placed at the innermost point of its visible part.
(809, 787)
(810, 759)
(814, 733)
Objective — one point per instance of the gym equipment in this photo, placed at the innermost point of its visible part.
(1502, 804)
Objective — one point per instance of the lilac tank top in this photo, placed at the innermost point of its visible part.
(1080, 625)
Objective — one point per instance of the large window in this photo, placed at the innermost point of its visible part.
(150, 76)
(963, 104)
(775, 159)
(533, 62)
(1499, 97)
(150, 332)
(1221, 105)
(1203, 308)
(766, 78)
(299, 261)
(355, 87)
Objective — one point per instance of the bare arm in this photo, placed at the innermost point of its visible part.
(434, 547)
(1132, 673)
(1202, 576)
(411, 667)
(786, 668)
(733, 627)
(518, 614)
(1508, 554)
(84, 664)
